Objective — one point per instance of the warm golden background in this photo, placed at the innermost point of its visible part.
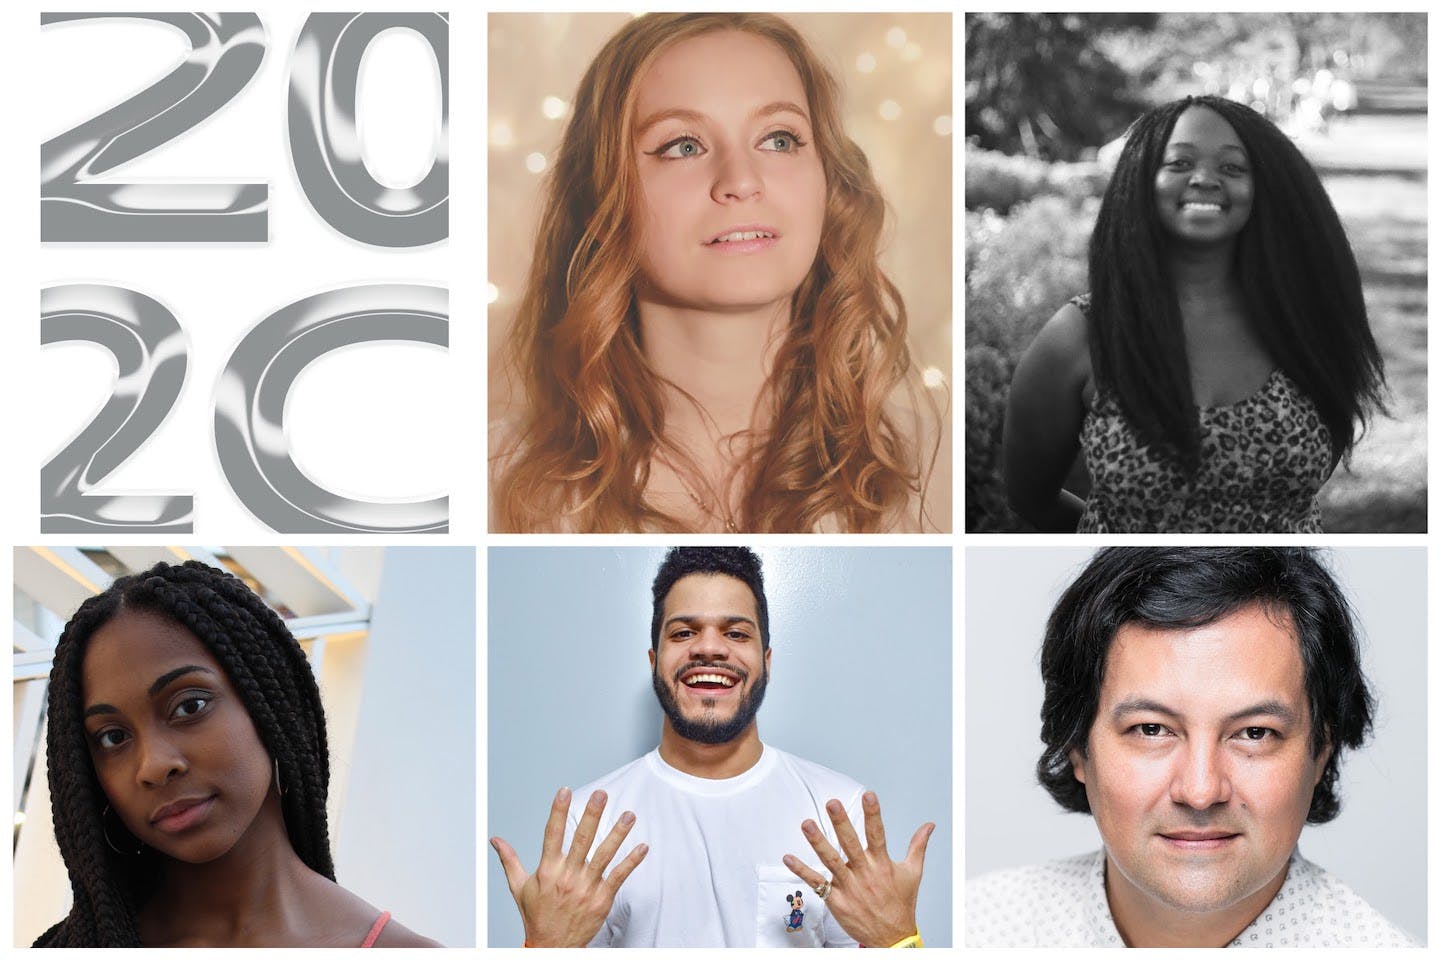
(894, 71)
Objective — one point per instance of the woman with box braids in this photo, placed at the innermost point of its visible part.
(186, 742)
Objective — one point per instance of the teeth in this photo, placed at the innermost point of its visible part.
(695, 678)
(743, 235)
(1193, 205)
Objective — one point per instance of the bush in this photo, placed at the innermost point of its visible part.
(1000, 181)
(1018, 271)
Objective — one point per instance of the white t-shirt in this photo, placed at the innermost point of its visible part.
(1063, 904)
(714, 875)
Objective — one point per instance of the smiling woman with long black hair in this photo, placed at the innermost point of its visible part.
(1222, 363)
(188, 773)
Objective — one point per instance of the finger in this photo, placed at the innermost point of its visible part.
(807, 876)
(916, 855)
(555, 826)
(606, 851)
(822, 847)
(844, 831)
(618, 875)
(585, 831)
(874, 826)
(515, 874)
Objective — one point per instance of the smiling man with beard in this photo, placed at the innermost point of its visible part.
(713, 811)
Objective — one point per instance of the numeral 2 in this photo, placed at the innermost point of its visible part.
(225, 53)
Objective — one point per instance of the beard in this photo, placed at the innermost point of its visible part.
(711, 730)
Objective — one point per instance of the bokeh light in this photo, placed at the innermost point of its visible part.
(890, 110)
(535, 163)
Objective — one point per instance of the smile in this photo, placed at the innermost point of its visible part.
(743, 238)
(709, 680)
(182, 814)
(1197, 206)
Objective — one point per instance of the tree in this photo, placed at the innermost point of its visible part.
(1039, 83)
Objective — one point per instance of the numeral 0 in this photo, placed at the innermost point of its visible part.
(149, 348)
(226, 50)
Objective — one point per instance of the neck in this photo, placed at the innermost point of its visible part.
(249, 893)
(1200, 272)
(1145, 921)
(720, 359)
(712, 761)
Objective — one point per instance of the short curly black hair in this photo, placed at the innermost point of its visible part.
(1181, 587)
(738, 562)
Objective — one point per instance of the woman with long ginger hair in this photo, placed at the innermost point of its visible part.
(706, 341)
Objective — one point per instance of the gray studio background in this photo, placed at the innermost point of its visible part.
(860, 682)
(1377, 845)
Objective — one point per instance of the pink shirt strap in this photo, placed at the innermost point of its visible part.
(375, 929)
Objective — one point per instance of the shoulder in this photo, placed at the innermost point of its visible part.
(636, 771)
(1047, 904)
(397, 935)
(1334, 914)
(1066, 335)
(820, 780)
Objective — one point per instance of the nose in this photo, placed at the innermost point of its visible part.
(1200, 779)
(709, 645)
(1202, 175)
(737, 178)
(160, 762)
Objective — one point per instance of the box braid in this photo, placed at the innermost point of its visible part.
(274, 681)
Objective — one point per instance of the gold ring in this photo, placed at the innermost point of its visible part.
(823, 890)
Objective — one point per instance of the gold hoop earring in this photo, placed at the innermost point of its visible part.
(105, 830)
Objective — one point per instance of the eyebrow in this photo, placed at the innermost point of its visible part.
(695, 116)
(693, 617)
(161, 682)
(1223, 146)
(1265, 708)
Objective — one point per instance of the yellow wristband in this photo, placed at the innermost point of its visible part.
(911, 941)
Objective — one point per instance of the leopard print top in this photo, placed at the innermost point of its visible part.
(1263, 461)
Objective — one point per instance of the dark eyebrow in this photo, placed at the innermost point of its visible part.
(1223, 146)
(694, 116)
(1265, 708)
(692, 617)
(161, 682)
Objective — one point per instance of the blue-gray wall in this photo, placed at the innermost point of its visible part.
(860, 682)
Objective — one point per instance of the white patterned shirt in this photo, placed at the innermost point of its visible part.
(1063, 904)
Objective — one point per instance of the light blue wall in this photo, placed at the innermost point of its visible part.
(407, 840)
(860, 682)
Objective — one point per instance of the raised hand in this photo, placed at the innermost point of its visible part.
(871, 896)
(565, 901)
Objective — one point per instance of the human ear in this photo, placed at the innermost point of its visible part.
(1322, 760)
(1077, 763)
(651, 652)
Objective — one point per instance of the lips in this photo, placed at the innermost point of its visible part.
(181, 814)
(1202, 206)
(744, 233)
(1198, 840)
(709, 679)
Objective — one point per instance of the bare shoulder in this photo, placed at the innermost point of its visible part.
(396, 934)
(350, 917)
(1063, 343)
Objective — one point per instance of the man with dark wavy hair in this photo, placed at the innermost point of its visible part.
(1197, 704)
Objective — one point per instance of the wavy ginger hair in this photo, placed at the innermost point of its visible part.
(594, 418)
